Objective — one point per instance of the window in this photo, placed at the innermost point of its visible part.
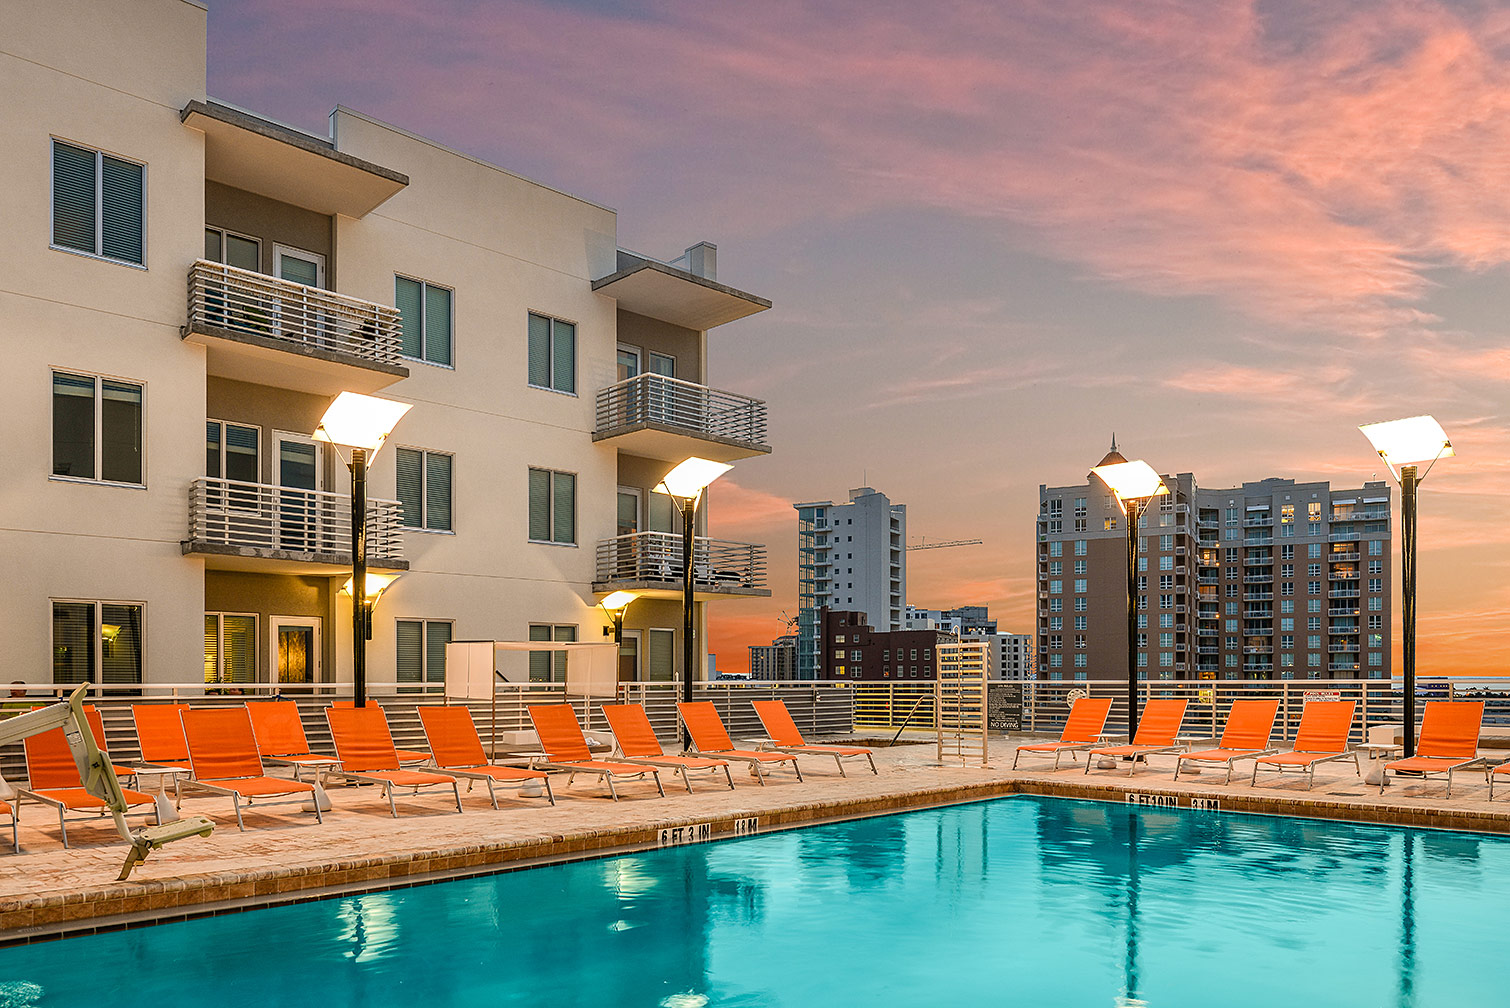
(1376, 566)
(1056, 605)
(1080, 584)
(1375, 584)
(1166, 582)
(1056, 623)
(1287, 552)
(1080, 604)
(553, 354)
(98, 642)
(1287, 606)
(1056, 587)
(1376, 622)
(1286, 660)
(422, 651)
(1080, 567)
(1080, 547)
(98, 204)
(1166, 660)
(553, 506)
(1375, 604)
(1287, 641)
(1313, 570)
(1080, 663)
(1056, 567)
(96, 428)
(1166, 601)
(1080, 642)
(231, 451)
(222, 246)
(1166, 563)
(428, 315)
(1313, 605)
(1375, 659)
(550, 666)
(1056, 549)
(1376, 547)
(1314, 642)
(424, 489)
(1313, 587)
(1056, 661)
(230, 648)
(1166, 640)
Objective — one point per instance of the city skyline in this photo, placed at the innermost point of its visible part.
(995, 236)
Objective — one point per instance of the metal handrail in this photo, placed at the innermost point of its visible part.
(659, 399)
(307, 318)
(657, 556)
(264, 516)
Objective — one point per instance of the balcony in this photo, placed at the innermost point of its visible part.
(1343, 666)
(1258, 561)
(1258, 649)
(260, 527)
(653, 416)
(1258, 596)
(1343, 556)
(1344, 593)
(266, 331)
(1342, 611)
(1258, 579)
(1262, 539)
(1205, 632)
(1343, 575)
(1263, 522)
(651, 564)
(1344, 536)
(1347, 516)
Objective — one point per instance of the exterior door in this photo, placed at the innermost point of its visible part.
(297, 470)
(664, 406)
(629, 657)
(299, 317)
(630, 403)
(295, 648)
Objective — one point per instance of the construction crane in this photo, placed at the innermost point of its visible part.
(925, 544)
(98, 775)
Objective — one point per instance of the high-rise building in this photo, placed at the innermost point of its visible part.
(963, 620)
(776, 661)
(850, 557)
(850, 650)
(1270, 580)
(187, 287)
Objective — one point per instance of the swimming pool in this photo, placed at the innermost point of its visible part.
(1018, 901)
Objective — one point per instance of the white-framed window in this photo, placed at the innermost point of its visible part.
(429, 312)
(421, 651)
(230, 647)
(550, 666)
(660, 655)
(553, 506)
(232, 451)
(553, 354)
(97, 428)
(423, 479)
(241, 251)
(99, 204)
(98, 642)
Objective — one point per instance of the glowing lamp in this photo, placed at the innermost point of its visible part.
(1414, 439)
(690, 478)
(1131, 480)
(618, 601)
(376, 585)
(360, 421)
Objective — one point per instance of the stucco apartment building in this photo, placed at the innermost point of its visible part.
(187, 285)
(1272, 579)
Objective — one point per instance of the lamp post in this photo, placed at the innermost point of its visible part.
(1405, 443)
(1134, 484)
(376, 585)
(362, 423)
(685, 485)
(614, 605)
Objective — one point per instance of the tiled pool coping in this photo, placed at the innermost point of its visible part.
(906, 783)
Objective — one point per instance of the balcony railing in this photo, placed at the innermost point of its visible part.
(278, 520)
(658, 401)
(237, 301)
(717, 564)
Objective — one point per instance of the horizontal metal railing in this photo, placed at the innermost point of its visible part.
(698, 409)
(304, 317)
(262, 516)
(657, 556)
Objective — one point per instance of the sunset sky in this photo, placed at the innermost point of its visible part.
(995, 232)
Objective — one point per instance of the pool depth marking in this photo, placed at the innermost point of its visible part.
(1172, 801)
(703, 832)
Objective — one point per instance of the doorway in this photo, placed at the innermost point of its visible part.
(297, 469)
(295, 649)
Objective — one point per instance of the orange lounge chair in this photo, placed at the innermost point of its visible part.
(404, 755)
(365, 749)
(1157, 728)
(1322, 736)
(637, 744)
(711, 739)
(1246, 736)
(566, 749)
(1087, 719)
(223, 754)
(160, 735)
(1449, 740)
(1503, 768)
(281, 739)
(97, 726)
(787, 738)
(458, 751)
(53, 779)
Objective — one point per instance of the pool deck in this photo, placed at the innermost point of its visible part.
(47, 892)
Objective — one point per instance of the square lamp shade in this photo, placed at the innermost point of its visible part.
(1414, 439)
(690, 477)
(618, 600)
(376, 585)
(360, 421)
(1131, 480)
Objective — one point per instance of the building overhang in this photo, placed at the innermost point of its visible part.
(671, 443)
(219, 556)
(250, 153)
(673, 295)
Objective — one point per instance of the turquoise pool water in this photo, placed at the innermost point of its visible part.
(1021, 901)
